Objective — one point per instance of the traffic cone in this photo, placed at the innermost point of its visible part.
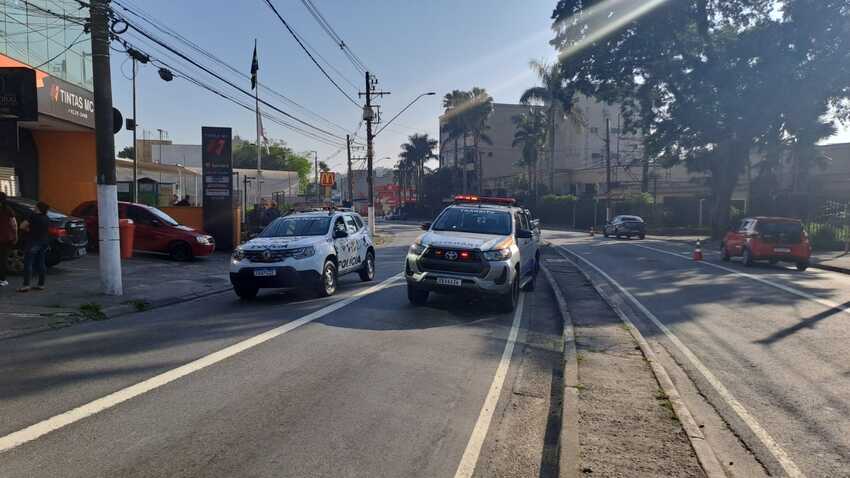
(697, 256)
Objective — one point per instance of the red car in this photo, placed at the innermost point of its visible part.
(773, 239)
(155, 231)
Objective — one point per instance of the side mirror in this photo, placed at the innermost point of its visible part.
(524, 234)
(338, 234)
(425, 226)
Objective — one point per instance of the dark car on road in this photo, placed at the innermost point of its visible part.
(771, 239)
(68, 239)
(155, 231)
(627, 226)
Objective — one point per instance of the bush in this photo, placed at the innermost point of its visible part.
(555, 209)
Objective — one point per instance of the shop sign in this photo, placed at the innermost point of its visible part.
(18, 94)
(217, 177)
(65, 101)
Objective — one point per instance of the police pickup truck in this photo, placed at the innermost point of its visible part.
(478, 245)
(304, 250)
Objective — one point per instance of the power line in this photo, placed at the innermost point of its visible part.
(301, 44)
(326, 26)
(76, 41)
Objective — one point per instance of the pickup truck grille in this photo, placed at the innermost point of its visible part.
(458, 261)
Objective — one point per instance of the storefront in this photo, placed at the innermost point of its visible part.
(51, 158)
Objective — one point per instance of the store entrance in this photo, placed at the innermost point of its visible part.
(18, 160)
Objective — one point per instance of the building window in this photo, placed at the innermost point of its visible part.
(594, 130)
(490, 154)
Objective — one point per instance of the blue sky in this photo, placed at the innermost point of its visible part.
(412, 46)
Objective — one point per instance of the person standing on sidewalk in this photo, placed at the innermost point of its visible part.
(8, 236)
(35, 246)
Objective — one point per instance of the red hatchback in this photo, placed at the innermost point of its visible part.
(773, 239)
(155, 231)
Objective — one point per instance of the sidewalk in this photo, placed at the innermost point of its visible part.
(73, 291)
(836, 261)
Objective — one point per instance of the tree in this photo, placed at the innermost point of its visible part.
(416, 152)
(531, 134)
(556, 97)
(708, 82)
(277, 157)
(453, 127)
(323, 166)
(474, 114)
(127, 152)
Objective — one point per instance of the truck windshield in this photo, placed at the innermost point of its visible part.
(297, 226)
(474, 220)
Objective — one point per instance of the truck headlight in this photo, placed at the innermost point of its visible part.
(203, 240)
(238, 254)
(497, 255)
(417, 248)
(303, 252)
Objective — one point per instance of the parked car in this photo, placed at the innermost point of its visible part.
(155, 232)
(773, 239)
(67, 235)
(627, 226)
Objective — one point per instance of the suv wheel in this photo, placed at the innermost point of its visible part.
(748, 258)
(246, 292)
(416, 296)
(180, 251)
(801, 266)
(367, 272)
(508, 301)
(327, 283)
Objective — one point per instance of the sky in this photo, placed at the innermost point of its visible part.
(412, 46)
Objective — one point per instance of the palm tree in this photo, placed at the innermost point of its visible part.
(531, 133)
(453, 127)
(556, 97)
(475, 113)
(417, 151)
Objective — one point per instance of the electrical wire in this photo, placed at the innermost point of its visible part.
(301, 44)
(326, 26)
(76, 42)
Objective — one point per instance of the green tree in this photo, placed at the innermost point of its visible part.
(557, 98)
(530, 134)
(276, 157)
(474, 114)
(708, 82)
(416, 152)
(127, 152)
(453, 127)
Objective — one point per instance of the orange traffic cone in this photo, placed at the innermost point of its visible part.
(697, 256)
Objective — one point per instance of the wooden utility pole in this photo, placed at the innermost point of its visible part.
(107, 190)
(370, 117)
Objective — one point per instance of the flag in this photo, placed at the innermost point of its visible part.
(255, 65)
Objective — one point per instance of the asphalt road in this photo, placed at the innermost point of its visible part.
(373, 388)
(775, 339)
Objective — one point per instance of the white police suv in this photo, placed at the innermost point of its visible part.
(304, 250)
(478, 245)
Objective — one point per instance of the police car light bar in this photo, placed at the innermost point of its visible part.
(487, 200)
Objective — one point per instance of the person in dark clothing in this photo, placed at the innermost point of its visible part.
(8, 236)
(36, 245)
(184, 202)
(270, 213)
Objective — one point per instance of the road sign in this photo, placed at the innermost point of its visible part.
(327, 179)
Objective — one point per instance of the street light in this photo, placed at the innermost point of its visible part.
(430, 93)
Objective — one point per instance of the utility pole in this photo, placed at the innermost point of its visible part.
(107, 191)
(348, 178)
(644, 178)
(316, 167)
(607, 169)
(369, 117)
(135, 146)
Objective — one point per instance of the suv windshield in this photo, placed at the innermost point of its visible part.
(474, 220)
(297, 226)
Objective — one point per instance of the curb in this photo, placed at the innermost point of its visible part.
(126, 309)
(568, 444)
(827, 267)
(705, 454)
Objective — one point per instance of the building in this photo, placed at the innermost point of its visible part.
(50, 156)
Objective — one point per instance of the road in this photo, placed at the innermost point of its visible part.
(360, 384)
(767, 346)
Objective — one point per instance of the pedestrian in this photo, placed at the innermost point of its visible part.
(175, 200)
(271, 213)
(8, 236)
(184, 202)
(36, 244)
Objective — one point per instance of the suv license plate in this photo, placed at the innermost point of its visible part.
(264, 272)
(783, 250)
(447, 281)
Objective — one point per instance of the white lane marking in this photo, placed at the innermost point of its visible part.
(790, 290)
(774, 448)
(476, 441)
(56, 422)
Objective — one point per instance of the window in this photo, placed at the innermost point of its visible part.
(297, 226)
(358, 221)
(339, 225)
(521, 221)
(594, 130)
(139, 216)
(350, 225)
(476, 221)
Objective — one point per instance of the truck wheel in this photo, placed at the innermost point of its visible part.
(801, 266)
(327, 283)
(246, 292)
(416, 296)
(367, 272)
(748, 258)
(509, 301)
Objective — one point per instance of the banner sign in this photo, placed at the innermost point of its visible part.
(18, 94)
(327, 179)
(217, 176)
(65, 101)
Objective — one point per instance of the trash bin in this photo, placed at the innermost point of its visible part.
(126, 230)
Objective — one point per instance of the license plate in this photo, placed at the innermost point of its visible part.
(783, 250)
(264, 272)
(448, 281)
(81, 252)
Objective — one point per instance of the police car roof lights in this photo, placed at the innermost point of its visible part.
(484, 200)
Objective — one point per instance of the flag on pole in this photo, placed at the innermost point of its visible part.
(255, 65)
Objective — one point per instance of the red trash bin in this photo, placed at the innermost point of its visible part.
(126, 231)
